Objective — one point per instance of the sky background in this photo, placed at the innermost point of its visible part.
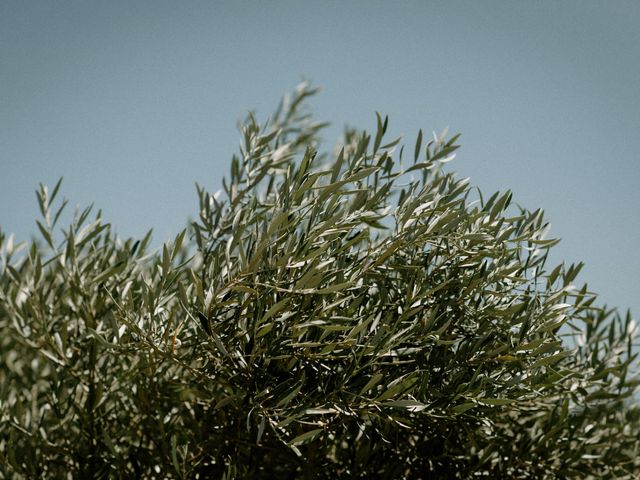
(133, 102)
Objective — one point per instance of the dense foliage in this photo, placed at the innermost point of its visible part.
(330, 315)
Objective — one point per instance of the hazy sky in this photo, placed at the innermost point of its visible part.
(132, 102)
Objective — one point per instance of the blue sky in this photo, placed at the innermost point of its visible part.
(133, 102)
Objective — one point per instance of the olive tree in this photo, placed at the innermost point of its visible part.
(352, 313)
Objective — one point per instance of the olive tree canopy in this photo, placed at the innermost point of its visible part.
(352, 313)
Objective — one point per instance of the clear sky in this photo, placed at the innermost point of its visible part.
(133, 101)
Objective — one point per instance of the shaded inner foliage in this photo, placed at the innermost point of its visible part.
(356, 313)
